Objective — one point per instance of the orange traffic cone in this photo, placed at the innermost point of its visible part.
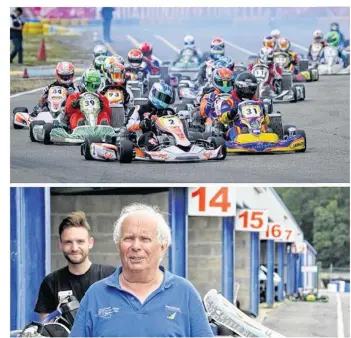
(42, 53)
(25, 74)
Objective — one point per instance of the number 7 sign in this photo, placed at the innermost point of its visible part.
(251, 220)
(212, 201)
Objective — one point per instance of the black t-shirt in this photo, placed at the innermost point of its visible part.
(16, 22)
(62, 281)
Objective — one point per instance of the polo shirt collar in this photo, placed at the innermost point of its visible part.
(113, 280)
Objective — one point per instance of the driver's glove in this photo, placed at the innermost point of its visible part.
(75, 103)
(145, 125)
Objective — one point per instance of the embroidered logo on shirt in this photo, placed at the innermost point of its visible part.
(107, 312)
(172, 316)
(173, 308)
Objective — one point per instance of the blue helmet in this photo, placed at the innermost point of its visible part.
(228, 60)
(161, 95)
(216, 52)
(334, 27)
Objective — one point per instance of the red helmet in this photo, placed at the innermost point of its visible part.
(217, 42)
(146, 49)
(64, 72)
(135, 58)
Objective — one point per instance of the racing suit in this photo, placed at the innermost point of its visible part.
(274, 79)
(151, 66)
(128, 94)
(344, 53)
(71, 88)
(138, 120)
(309, 54)
(75, 116)
(232, 116)
(298, 76)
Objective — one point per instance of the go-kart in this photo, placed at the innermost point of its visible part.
(174, 144)
(49, 132)
(57, 324)
(187, 62)
(308, 75)
(285, 90)
(332, 64)
(230, 320)
(249, 134)
(57, 96)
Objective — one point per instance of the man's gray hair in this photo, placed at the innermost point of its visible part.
(163, 231)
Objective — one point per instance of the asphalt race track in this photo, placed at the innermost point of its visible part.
(324, 115)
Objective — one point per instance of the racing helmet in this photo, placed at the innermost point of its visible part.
(269, 41)
(266, 56)
(333, 38)
(216, 52)
(275, 33)
(283, 45)
(146, 49)
(135, 58)
(245, 85)
(318, 35)
(217, 42)
(223, 79)
(189, 41)
(109, 61)
(115, 73)
(99, 62)
(161, 95)
(228, 60)
(99, 50)
(91, 80)
(334, 27)
(64, 72)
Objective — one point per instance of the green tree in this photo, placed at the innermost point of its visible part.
(323, 216)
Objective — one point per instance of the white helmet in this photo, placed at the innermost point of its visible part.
(318, 34)
(275, 33)
(266, 55)
(189, 41)
(99, 50)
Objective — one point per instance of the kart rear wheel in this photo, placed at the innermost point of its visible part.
(47, 131)
(303, 93)
(276, 125)
(86, 146)
(302, 133)
(126, 150)
(294, 90)
(31, 126)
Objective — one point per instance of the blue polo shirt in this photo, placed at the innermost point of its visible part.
(175, 309)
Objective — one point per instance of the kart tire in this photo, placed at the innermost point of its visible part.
(219, 141)
(31, 126)
(302, 133)
(87, 143)
(294, 90)
(303, 93)
(47, 130)
(126, 151)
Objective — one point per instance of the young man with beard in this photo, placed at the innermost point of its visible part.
(80, 273)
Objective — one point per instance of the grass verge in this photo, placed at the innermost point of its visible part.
(22, 85)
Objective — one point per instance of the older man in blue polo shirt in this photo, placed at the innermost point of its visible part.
(141, 299)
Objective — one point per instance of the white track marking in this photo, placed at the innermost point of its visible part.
(33, 90)
(299, 47)
(239, 48)
(339, 316)
(136, 43)
(167, 43)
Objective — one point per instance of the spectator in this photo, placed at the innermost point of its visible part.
(16, 27)
(107, 14)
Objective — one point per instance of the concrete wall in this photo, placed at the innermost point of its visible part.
(204, 247)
